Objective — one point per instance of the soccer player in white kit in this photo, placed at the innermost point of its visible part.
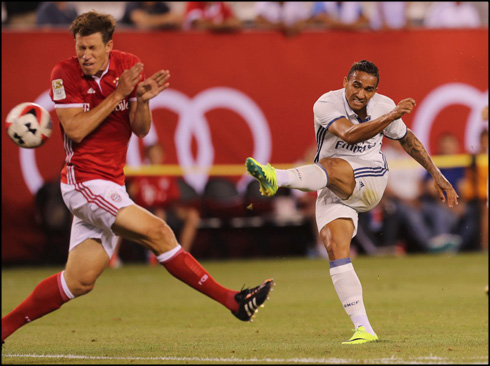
(350, 174)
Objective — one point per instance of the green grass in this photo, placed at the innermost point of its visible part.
(425, 309)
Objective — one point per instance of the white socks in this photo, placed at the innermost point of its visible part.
(349, 290)
(168, 255)
(311, 177)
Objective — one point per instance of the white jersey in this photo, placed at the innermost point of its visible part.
(332, 106)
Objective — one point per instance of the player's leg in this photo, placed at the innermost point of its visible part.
(337, 236)
(333, 173)
(139, 225)
(85, 263)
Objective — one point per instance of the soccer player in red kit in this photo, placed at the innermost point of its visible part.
(102, 97)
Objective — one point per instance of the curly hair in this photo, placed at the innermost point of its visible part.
(92, 22)
(366, 66)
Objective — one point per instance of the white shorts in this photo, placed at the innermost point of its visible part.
(371, 179)
(94, 205)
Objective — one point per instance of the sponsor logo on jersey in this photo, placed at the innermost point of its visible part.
(58, 89)
(354, 148)
(122, 106)
(86, 107)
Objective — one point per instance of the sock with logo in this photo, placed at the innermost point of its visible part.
(312, 177)
(183, 266)
(46, 297)
(349, 290)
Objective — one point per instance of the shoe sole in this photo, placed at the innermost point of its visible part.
(257, 172)
(361, 341)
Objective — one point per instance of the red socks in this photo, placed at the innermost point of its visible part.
(47, 296)
(184, 267)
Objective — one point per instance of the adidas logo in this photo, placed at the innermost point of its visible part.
(91, 91)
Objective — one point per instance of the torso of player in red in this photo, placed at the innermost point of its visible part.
(101, 154)
(155, 191)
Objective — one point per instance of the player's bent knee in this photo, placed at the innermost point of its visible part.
(335, 249)
(161, 238)
(82, 286)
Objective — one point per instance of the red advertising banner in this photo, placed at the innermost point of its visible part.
(238, 95)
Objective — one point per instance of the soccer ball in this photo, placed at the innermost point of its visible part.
(29, 125)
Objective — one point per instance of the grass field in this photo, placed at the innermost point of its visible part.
(425, 309)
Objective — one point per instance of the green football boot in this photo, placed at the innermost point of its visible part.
(361, 336)
(265, 174)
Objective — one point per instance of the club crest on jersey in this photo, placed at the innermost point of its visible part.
(116, 197)
(116, 81)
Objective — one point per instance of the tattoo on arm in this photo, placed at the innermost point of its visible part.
(416, 150)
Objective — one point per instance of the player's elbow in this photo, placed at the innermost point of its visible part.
(75, 136)
(141, 132)
(351, 138)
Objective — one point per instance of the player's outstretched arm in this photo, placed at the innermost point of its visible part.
(140, 115)
(355, 133)
(416, 150)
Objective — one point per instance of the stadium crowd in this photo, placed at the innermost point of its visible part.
(408, 219)
(287, 17)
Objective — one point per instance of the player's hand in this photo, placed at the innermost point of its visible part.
(153, 86)
(442, 185)
(405, 106)
(129, 79)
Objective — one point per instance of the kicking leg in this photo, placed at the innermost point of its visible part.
(333, 173)
(140, 226)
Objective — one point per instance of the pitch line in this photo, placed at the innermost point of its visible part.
(415, 360)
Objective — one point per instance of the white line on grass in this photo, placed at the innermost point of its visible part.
(422, 360)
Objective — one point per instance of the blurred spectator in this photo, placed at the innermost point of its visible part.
(403, 220)
(161, 196)
(389, 15)
(150, 15)
(452, 14)
(442, 220)
(341, 15)
(288, 17)
(215, 16)
(55, 13)
(474, 189)
(396, 223)
(55, 219)
(21, 13)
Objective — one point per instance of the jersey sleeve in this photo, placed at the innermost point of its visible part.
(327, 113)
(65, 90)
(397, 129)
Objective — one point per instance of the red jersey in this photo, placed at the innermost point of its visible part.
(154, 191)
(102, 153)
(215, 11)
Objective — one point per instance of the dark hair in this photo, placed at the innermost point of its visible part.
(366, 66)
(93, 22)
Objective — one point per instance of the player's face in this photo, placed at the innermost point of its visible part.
(92, 53)
(359, 89)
